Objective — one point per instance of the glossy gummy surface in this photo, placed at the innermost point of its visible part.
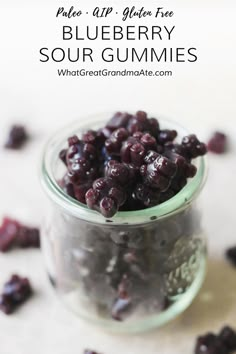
(124, 158)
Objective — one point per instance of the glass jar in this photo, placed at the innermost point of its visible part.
(155, 257)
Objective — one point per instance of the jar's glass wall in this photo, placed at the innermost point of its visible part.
(130, 273)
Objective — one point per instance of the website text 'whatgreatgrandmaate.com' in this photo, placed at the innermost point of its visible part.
(109, 73)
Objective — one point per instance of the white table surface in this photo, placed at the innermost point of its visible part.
(199, 96)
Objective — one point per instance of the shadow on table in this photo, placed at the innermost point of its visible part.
(212, 307)
(216, 299)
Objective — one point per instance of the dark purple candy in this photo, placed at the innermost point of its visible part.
(15, 292)
(164, 196)
(17, 137)
(165, 166)
(223, 343)
(135, 148)
(119, 172)
(88, 351)
(80, 191)
(151, 156)
(130, 164)
(62, 156)
(137, 153)
(28, 237)
(193, 146)
(184, 167)
(90, 137)
(67, 186)
(154, 127)
(108, 207)
(81, 170)
(106, 196)
(146, 195)
(14, 234)
(114, 143)
(139, 123)
(217, 143)
(166, 135)
(149, 142)
(210, 344)
(228, 337)
(133, 151)
(73, 140)
(178, 183)
(231, 255)
(8, 234)
(6, 305)
(103, 134)
(119, 120)
(159, 173)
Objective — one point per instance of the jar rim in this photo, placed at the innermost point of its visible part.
(79, 210)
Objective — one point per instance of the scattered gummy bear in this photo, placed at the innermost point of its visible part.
(231, 255)
(17, 137)
(223, 343)
(15, 292)
(14, 234)
(217, 143)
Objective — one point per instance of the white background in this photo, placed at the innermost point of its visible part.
(200, 96)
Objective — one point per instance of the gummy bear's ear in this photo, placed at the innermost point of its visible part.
(165, 136)
(119, 120)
